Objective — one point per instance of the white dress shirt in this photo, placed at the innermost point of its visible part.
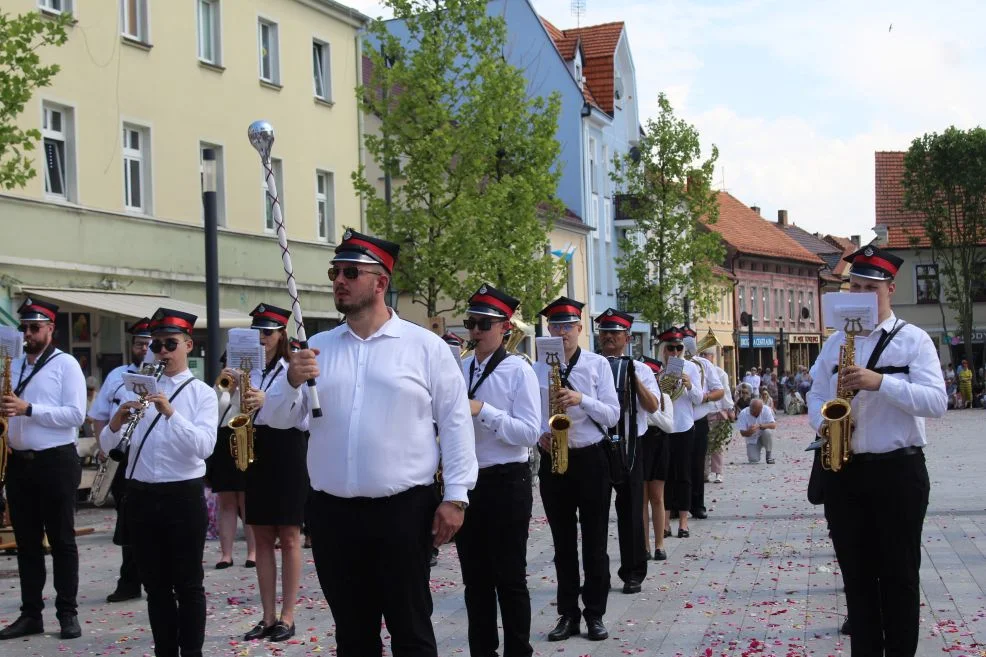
(646, 375)
(754, 382)
(510, 421)
(709, 381)
(57, 395)
(747, 419)
(108, 399)
(381, 399)
(178, 445)
(593, 377)
(229, 406)
(663, 417)
(684, 405)
(726, 403)
(893, 416)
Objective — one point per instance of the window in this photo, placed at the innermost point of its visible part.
(59, 151)
(321, 71)
(811, 306)
(578, 74)
(790, 305)
(593, 183)
(269, 224)
(56, 6)
(267, 40)
(928, 283)
(753, 302)
(765, 309)
(597, 262)
(136, 163)
(801, 303)
(324, 205)
(742, 306)
(209, 34)
(605, 180)
(779, 305)
(133, 19)
(220, 180)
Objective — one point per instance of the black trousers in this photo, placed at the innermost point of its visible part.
(678, 487)
(700, 447)
(41, 491)
(629, 487)
(129, 579)
(167, 524)
(580, 497)
(875, 511)
(377, 567)
(492, 546)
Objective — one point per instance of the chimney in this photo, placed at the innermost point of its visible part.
(755, 208)
(782, 217)
(855, 240)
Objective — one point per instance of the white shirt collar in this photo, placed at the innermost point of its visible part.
(393, 328)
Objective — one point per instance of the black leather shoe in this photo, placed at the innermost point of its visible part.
(700, 515)
(23, 626)
(280, 631)
(667, 533)
(70, 627)
(223, 565)
(683, 533)
(660, 555)
(122, 595)
(259, 631)
(595, 630)
(845, 629)
(633, 586)
(249, 563)
(565, 628)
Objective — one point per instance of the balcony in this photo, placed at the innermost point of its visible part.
(623, 302)
(624, 206)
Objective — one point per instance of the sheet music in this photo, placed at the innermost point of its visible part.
(855, 308)
(139, 384)
(674, 367)
(243, 348)
(549, 348)
(11, 342)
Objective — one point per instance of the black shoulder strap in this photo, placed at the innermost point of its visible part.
(882, 344)
(565, 382)
(498, 356)
(133, 464)
(46, 358)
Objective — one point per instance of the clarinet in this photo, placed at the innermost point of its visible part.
(119, 452)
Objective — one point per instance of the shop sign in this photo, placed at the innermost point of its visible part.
(804, 338)
(759, 341)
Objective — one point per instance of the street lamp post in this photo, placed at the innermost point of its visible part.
(210, 204)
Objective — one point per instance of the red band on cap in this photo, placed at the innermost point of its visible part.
(876, 261)
(272, 315)
(654, 366)
(41, 309)
(493, 301)
(615, 319)
(177, 322)
(386, 259)
(564, 310)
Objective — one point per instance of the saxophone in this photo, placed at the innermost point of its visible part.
(241, 442)
(559, 423)
(838, 426)
(6, 388)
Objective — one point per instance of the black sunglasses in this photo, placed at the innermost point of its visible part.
(269, 332)
(483, 324)
(30, 328)
(676, 347)
(170, 344)
(351, 273)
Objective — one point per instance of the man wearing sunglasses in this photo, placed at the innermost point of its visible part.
(582, 494)
(164, 508)
(45, 411)
(639, 397)
(492, 544)
(107, 401)
(386, 387)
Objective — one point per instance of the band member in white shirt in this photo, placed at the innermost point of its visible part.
(164, 511)
(110, 397)
(44, 413)
(875, 505)
(385, 384)
(655, 453)
(678, 487)
(506, 412)
(637, 390)
(720, 420)
(712, 392)
(582, 494)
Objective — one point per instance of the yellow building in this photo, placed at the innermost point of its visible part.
(111, 227)
(721, 323)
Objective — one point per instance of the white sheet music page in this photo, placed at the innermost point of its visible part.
(139, 384)
(857, 310)
(243, 349)
(11, 342)
(550, 348)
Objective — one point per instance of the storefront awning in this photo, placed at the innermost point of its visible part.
(135, 305)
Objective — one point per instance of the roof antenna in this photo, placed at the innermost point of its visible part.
(578, 10)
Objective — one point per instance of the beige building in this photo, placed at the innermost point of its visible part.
(112, 226)
(721, 323)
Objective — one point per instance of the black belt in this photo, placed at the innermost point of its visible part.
(371, 500)
(31, 454)
(503, 469)
(164, 486)
(865, 457)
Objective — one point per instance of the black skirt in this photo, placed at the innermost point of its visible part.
(277, 480)
(220, 470)
(655, 453)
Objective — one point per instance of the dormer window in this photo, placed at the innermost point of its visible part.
(578, 74)
(618, 91)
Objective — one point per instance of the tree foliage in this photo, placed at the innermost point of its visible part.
(21, 72)
(945, 180)
(472, 156)
(668, 257)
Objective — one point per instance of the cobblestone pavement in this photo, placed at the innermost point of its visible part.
(758, 577)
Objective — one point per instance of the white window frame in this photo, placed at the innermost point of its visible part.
(324, 67)
(48, 6)
(142, 156)
(143, 20)
(274, 76)
(220, 180)
(593, 174)
(326, 198)
(277, 165)
(66, 135)
(214, 39)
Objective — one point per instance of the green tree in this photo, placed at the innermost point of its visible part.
(21, 72)
(668, 256)
(945, 180)
(474, 157)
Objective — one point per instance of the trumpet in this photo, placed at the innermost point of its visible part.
(119, 452)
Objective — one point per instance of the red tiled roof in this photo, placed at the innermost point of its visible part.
(722, 271)
(902, 226)
(598, 44)
(565, 44)
(847, 246)
(749, 233)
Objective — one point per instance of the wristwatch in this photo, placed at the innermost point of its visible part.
(462, 505)
(28, 410)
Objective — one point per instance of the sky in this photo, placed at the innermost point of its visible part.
(798, 96)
